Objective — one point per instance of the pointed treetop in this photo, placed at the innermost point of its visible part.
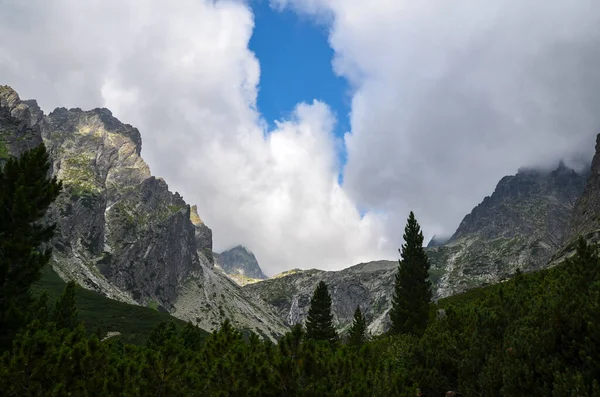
(358, 331)
(319, 323)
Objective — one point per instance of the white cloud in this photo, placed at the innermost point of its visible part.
(182, 73)
(451, 96)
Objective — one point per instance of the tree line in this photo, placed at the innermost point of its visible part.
(537, 334)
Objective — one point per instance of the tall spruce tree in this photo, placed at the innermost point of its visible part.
(358, 331)
(65, 309)
(26, 192)
(319, 323)
(412, 293)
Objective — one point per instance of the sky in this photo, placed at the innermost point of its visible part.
(306, 130)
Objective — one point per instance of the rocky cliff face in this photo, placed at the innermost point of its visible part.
(238, 261)
(586, 214)
(121, 231)
(19, 129)
(369, 285)
(519, 226)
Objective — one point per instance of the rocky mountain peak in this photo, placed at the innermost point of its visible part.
(19, 124)
(520, 226)
(194, 217)
(240, 261)
(120, 230)
(499, 213)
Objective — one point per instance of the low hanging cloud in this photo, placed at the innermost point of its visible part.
(182, 73)
(451, 96)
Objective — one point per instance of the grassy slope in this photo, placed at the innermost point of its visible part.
(96, 311)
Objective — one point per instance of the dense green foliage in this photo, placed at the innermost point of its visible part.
(319, 322)
(358, 332)
(26, 192)
(101, 314)
(535, 335)
(412, 289)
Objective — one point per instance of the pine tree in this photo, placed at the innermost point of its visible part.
(412, 293)
(26, 192)
(65, 310)
(357, 335)
(319, 323)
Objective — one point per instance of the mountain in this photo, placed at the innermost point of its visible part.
(437, 241)
(238, 261)
(121, 232)
(369, 285)
(586, 214)
(131, 323)
(520, 225)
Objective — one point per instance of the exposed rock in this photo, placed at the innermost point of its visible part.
(520, 226)
(586, 214)
(120, 230)
(369, 285)
(210, 298)
(111, 334)
(239, 261)
(203, 237)
(19, 126)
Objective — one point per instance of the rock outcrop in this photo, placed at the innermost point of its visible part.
(586, 214)
(369, 285)
(520, 226)
(19, 126)
(120, 230)
(238, 261)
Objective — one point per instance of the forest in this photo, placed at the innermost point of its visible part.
(536, 334)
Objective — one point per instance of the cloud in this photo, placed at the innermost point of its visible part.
(182, 73)
(448, 98)
(451, 96)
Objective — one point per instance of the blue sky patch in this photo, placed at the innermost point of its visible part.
(295, 63)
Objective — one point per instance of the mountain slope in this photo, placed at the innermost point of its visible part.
(239, 261)
(133, 323)
(520, 226)
(121, 232)
(369, 285)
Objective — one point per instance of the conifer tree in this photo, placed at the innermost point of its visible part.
(357, 335)
(412, 292)
(65, 310)
(319, 323)
(26, 192)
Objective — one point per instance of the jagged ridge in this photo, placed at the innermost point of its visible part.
(121, 231)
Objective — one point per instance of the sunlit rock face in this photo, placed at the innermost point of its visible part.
(120, 230)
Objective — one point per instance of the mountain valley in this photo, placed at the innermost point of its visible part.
(125, 235)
